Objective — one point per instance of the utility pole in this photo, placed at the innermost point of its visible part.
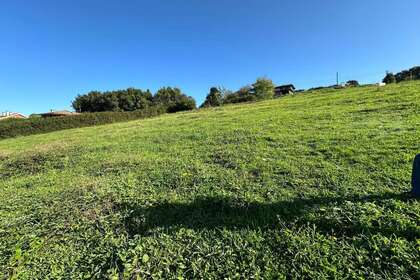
(337, 79)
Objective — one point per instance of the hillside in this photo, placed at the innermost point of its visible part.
(308, 186)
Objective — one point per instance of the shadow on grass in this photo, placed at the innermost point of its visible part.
(226, 213)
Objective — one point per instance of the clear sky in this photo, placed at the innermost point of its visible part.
(52, 50)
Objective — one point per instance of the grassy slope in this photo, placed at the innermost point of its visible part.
(307, 185)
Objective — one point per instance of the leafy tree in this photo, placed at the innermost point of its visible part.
(263, 88)
(167, 95)
(389, 78)
(404, 75)
(352, 83)
(415, 73)
(108, 103)
(130, 99)
(224, 93)
(244, 94)
(174, 100)
(214, 98)
(88, 102)
(134, 99)
(185, 103)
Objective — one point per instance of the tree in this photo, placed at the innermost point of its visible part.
(130, 99)
(88, 102)
(404, 75)
(214, 98)
(263, 88)
(389, 78)
(352, 83)
(184, 103)
(173, 100)
(134, 99)
(244, 94)
(415, 73)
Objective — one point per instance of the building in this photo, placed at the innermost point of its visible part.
(284, 90)
(53, 114)
(10, 115)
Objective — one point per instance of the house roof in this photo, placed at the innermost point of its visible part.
(60, 113)
(12, 115)
(286, 86)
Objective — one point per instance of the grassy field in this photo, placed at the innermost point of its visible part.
(306, 186)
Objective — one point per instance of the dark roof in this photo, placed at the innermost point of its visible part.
(59, 113)
(290, 86)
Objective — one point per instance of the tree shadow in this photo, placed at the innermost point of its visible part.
(228, 213)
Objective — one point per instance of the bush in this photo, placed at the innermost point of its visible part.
(21, 127)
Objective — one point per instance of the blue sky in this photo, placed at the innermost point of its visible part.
(50, 51)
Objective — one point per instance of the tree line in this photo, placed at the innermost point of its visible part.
(172, 99)
(405, 75)
(132, 99)
(169, 98)
(262, 89)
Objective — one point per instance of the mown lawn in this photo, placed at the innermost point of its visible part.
(306, 186)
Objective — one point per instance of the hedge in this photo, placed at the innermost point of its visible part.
(22, 127)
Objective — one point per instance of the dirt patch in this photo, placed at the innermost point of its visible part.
(53, 146)
(33, 163)
(114, 168)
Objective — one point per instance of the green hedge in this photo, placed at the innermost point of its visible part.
(21, 127)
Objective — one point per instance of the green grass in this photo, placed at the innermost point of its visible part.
(306, 186)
